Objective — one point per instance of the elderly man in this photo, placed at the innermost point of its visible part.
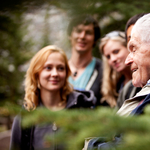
(139, 60)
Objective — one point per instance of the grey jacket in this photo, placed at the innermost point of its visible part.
(128, 91)
(33, 137)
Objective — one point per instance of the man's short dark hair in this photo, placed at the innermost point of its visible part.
(85, 20)
(132, 21)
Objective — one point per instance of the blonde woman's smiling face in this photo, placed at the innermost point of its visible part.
(116, 55)
(53, 75)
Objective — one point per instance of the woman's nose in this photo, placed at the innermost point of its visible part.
(113, 58)
(54, 72)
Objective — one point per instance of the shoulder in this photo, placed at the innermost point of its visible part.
(127, 86)
(98, 62)
(130, 90)
(16, 123)
(140, 108)
(98, 65)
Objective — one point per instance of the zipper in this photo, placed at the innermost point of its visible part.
(54, 128)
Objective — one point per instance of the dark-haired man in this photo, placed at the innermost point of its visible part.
(84, 32)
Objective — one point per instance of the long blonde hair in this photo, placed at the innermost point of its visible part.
(110, 76)
(32, 86)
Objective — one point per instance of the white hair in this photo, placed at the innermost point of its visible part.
(142, 28)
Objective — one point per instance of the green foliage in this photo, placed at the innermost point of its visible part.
(111, 14)
(14, 53)
(76, 125)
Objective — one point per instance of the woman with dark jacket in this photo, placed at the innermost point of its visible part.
(46, 85)
(115, 73)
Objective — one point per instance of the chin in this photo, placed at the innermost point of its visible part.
(136, 84)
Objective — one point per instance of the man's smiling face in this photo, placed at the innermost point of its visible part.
(139, 59)
(82, 38)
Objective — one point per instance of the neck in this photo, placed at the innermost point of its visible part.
(81, 55)
(78, 62)
(52, 100)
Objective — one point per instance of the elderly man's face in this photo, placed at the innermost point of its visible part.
(139, 59)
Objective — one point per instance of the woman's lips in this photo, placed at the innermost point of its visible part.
(117, 65)
(53, 81)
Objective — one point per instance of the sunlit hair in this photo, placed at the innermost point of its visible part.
(32, 86)
(110, 76)
(142, 28)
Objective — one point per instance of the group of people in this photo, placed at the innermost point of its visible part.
(83, 81)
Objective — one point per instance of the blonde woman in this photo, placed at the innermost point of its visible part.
(115, 73)
(46, 85)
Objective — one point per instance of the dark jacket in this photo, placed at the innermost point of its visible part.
(32, 138)
(96, 81)
(139, 109)
(127, 92)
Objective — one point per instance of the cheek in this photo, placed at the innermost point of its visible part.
(63, 77)
(110, 63)
(124, 55)
(43, 76)
(74, 36)
(145, 71)
(40, 78)
(91, 39)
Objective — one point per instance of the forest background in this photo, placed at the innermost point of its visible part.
(28, 25)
